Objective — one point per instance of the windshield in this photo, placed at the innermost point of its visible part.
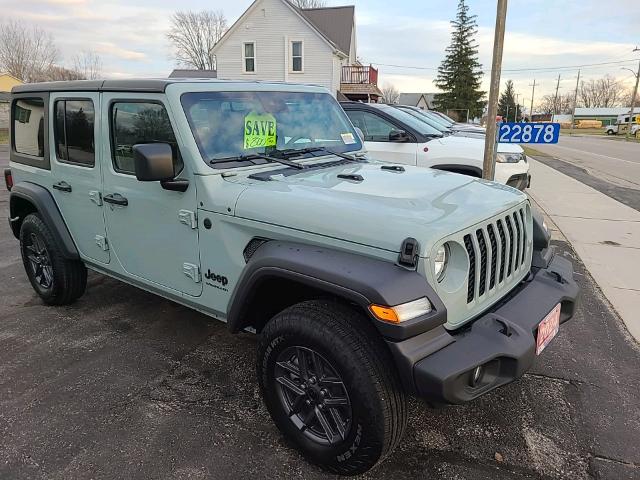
(428, 120)
(229, 125)
(415, 123)
(446, 117)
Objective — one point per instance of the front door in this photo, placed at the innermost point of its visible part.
(376, 130)
(76, 170)
(151, 230)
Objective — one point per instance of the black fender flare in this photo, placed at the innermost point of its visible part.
(46, 206)
(356, 278)
(459, 168)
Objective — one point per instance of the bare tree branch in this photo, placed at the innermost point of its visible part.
(390, 94)
(88, 64)
(26, 52)
(193, 35)
(603, 92)
(309, 3)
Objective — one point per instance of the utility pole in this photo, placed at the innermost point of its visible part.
(489, 161)
(555, 100)
(633, 99)
(533, 91)
(515, 119)
(575, 101)
(507, 112)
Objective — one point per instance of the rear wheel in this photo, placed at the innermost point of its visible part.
(330, 385)
(57, 280)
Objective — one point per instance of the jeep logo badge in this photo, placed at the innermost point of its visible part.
(216, 278)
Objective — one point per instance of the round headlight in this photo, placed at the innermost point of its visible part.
(440, 262)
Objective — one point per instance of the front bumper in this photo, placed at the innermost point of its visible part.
(507, 173)
(438, 365)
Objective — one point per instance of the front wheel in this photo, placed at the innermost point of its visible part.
(330, 385)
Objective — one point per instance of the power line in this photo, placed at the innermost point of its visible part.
(415, 67)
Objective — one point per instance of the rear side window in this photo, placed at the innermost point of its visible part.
(74, 132)
(375, 128)
(140, 122)
(28, 126)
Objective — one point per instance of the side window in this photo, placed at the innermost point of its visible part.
(140, 122)
(375, 128)
(28, 126)
(74, 132)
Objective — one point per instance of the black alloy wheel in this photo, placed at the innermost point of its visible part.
(313, 395)
(39, 262)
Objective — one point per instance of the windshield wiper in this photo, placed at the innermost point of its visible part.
(257, 156)
(291, 152)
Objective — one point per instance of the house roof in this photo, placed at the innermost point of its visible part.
(335, 23)
(178, 73)
(602, 112)
(414, 98)
(333, 35)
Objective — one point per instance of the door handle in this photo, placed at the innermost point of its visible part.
(116, 199)
(62, 186)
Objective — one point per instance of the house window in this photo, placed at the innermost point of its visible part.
(296, 56)
(249, 57)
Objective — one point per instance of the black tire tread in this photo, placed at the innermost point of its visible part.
(70, 276)
(374, 357)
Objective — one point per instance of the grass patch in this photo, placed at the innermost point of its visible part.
(532, 152)
(4, 137)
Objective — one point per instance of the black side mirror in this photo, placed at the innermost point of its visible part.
(153, 162)
(398, 136)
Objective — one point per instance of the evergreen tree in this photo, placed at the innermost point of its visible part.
(507, 104)
(460, 73)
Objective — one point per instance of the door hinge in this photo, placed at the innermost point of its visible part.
(188, 218)
(102, 242)
(192, 271)
(96, 197)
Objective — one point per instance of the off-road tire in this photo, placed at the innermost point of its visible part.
(346, 339)
(69, 277)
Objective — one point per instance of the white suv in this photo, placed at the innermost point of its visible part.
(394, 135)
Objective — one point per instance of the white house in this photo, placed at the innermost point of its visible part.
(274, 40)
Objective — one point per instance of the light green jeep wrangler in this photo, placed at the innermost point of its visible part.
(255, 204)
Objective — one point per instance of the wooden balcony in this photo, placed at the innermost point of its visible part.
(360, 74)
(360, 83)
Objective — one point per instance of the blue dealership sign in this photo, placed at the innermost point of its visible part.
(528, 132)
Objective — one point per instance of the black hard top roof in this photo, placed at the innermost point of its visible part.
(151, 85)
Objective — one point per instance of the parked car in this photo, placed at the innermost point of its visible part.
(251, 203)
(393, 135)
(442, 125)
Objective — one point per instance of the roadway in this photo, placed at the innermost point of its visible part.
(611, 166)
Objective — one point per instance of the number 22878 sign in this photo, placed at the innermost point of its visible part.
(528, 132)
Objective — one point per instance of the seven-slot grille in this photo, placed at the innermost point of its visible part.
(496, 252)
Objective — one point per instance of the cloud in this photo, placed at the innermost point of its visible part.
(119, 52)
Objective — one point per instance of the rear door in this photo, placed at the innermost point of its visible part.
(76, 170)
(376, 130)
(151, 230)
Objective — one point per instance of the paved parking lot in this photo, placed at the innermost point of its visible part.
(123, 384)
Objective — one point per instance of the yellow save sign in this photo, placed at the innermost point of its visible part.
(259, 130)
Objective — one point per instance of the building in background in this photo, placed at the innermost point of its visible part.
(7, 82)
(421, 100)
(273, 40)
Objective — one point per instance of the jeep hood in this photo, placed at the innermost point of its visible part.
(380, 210)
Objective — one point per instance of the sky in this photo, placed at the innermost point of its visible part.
(405, 39)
